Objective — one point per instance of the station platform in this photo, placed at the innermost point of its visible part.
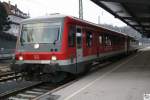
(127, 79)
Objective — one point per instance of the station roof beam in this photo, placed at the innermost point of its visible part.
(135, 13)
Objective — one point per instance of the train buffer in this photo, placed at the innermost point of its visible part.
(127, 79)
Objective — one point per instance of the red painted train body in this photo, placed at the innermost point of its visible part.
(58, 44)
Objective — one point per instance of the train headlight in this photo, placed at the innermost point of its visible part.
(20, 58)
(54, 58)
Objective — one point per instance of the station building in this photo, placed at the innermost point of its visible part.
(8, 38)
(15, 15)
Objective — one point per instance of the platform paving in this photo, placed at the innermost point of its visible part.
(127, 79)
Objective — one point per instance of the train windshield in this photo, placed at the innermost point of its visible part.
(40, 33)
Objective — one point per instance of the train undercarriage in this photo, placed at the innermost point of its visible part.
(40, 72)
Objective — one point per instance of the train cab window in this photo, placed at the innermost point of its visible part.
(79, 38)
(71, 36)
(89, 38)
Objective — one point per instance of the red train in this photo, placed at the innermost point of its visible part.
(56, 45)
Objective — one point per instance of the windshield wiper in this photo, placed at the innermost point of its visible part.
(21, 41)
(56, 38)
(54, 41)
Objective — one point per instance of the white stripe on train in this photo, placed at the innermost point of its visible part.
(68, 61)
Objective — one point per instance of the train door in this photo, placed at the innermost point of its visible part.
(79, 48)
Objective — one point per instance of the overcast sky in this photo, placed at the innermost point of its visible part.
(67, 7)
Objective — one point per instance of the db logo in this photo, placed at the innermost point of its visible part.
(36, 57)
(146, 96)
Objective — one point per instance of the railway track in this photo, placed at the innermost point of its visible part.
(27, 92)
(37, 90)
(4, 67)
(6, 74)
(9, 76)
(32, 91)
(12, 94)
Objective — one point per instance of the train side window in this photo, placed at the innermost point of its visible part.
(71, 36)
(79, 38)
(114, 40)
(89, 38)
(78, 30)
(100, 39)
(107, 41)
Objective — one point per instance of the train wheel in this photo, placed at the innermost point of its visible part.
(58, 77)
(87, 68)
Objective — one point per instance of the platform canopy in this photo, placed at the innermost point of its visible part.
(135, 13)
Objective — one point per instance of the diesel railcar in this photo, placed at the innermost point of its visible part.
(56, 45)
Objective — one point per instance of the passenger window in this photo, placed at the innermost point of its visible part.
(100, 39)
(71, 36)
(78, 30)
(89, 38)
(107, 41)
(79, 38)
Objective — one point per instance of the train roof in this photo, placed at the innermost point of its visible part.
(97, 25)
(56, 15)
(44, 17)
